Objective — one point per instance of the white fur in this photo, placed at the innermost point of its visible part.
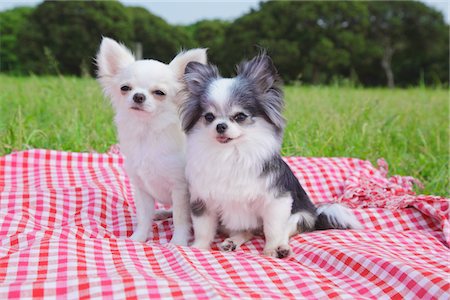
(210, 163)
(219, 90)
(302, 218)
(276, 220)
(235, 240)
(237, 214)
(213, 167)
(235, 173)
(151, 139)
(339, 215)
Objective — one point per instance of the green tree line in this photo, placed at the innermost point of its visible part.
(316, 42)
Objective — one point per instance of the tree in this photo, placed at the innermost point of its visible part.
(426, 53)
(159, 39)
(406, 37)
(210, 34)
(66, 35)
(386, 33)
(373, 43)
(11, 22)
(313, 41)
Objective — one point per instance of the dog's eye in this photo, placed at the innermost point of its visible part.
(209, 117)
(125, 88)
(240, 117)
(158, 93)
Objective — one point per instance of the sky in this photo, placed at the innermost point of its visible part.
(184, 12)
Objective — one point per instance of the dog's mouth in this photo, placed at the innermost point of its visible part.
(223, 139)
(136, 108)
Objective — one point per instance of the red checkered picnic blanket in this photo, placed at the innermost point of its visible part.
(65, 218)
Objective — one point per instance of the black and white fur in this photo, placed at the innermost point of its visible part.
(236, 175)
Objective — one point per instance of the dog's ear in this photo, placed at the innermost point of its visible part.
(262, 74)
(179, 63)
(112, 57)
(197, 76)
(260, 71)
(190, 113)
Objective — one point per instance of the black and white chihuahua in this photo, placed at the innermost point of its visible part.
(236, 175)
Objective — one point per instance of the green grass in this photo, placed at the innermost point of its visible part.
(64, 113)
(407, 127)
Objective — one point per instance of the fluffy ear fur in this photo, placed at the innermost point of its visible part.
(190, 113)
(260, 71)
(196, 77)
(178, 64)
(112, 57)
(262, 74)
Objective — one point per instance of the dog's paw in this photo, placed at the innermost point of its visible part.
(228, 245)
(282, 251)
(201, 245)
(179, 240)
(139, 237)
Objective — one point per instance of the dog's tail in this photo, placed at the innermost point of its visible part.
(336, 216)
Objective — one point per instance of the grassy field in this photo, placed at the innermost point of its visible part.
(408, 127)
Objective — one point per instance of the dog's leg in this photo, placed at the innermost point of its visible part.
(181, 215)
(204, 223)
(145, 209)
(235, 240)
(275, 220)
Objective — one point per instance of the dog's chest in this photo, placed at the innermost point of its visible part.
(233, 188)
(223, 178)
(241, 215)
(155, 164)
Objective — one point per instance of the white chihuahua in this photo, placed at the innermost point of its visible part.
(145, 95)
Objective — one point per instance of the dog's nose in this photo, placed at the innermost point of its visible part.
(139, 98)
(221, 127)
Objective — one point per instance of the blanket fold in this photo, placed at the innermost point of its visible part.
(370, 187)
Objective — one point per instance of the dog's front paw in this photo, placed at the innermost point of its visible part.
(181, 235)
(179, 240)
(139, 237)
(282, 251)
(228, 245)
(201, 245)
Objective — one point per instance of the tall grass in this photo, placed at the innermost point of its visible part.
(64, 113)
(407, 127)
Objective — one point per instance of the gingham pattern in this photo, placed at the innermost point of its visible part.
(65, 218)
